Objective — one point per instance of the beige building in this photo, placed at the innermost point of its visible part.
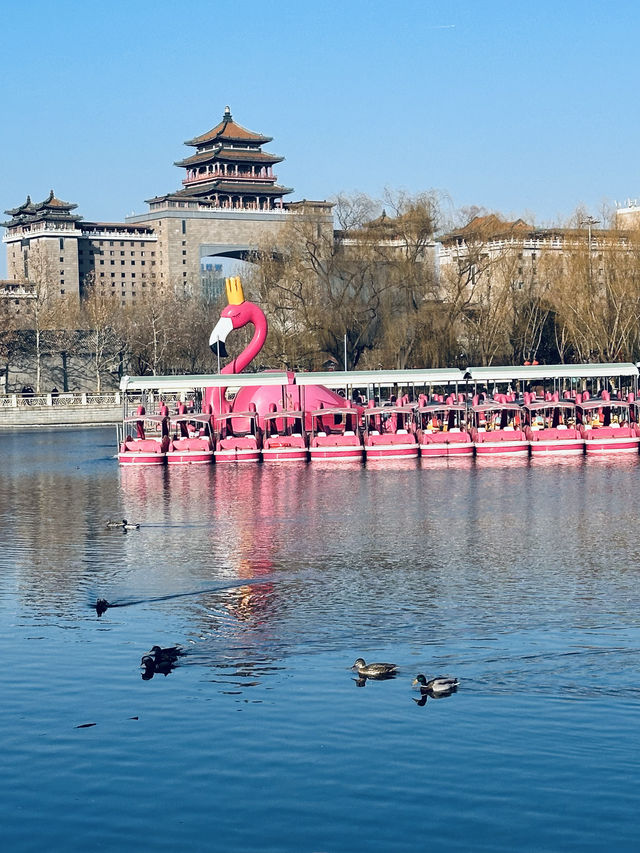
(229, 203)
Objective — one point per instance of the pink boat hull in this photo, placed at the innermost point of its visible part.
(284, 454)
(143, 451)
(568, 447)
(344, 453)
(612, 445)
(502, 448)
(190, 457)
(391, 451)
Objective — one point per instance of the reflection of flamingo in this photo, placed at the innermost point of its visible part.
(239, 313)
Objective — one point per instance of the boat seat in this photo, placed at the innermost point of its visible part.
(296, 435)
(373, 432)
(562, 426)
(349, 432)
(508, 429)
(402, 432)
(321, 434)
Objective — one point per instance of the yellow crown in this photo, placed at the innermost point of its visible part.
(235, 296)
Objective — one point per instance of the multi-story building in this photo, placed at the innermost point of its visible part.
(49, 246)
(230, 202)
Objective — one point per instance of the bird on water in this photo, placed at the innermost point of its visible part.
(168, 655)
(374, 670)
(436, 686)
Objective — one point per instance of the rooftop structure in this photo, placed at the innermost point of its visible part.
(228, 170)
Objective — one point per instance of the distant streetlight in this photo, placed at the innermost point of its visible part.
(589, 221)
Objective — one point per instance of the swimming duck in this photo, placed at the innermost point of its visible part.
(374, 670)
(441, 685)
(159, 655)
(129, 525)
(101, 606)
(115, 524)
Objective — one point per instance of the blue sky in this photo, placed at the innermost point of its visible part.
(527, 109)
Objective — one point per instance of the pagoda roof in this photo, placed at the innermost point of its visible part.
(57, 204)
(226, 186)
(235, 154)
(229, 130)
(26, 208)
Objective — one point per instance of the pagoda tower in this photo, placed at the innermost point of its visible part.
(230, 170)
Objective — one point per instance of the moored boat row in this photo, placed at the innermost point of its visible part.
(484, 427)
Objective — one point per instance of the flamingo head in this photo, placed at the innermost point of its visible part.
(233, 316)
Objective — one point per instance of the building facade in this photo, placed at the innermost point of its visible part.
(229, 203)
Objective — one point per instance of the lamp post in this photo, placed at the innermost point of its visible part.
(589, 221)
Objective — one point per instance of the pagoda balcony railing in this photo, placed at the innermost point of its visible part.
(210, 176)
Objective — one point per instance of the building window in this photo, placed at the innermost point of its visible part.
(113, 275)
(132, 245)
(61, 243)
(121, 275)
(101, 275)
(112, 262)
(121, 243)
(111, 244)
(121, 263)
(133, 275)
(142, 263)
(101, 262)
(61, 260)
(62, 288)
(121, 254)
(184, 226)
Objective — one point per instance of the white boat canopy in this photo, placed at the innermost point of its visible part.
(509, 373)
(203, 380)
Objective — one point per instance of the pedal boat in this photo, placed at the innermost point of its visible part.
(389, 433)
(497, 430)
(442, 430)
(284, 439)
(144, 449)
(607, 427)
(238, 438)
(335, 435)
(194, 445)
(551, 428)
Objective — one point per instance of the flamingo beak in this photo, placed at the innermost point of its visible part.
(219, 336)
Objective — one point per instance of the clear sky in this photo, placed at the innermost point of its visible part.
(525, 108)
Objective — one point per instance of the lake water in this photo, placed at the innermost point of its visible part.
(522, 579)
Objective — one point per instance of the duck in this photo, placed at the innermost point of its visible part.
(130, 525)
(101, 606)
(115, 524)
(159, 655)
(442, 685)
(374, 670)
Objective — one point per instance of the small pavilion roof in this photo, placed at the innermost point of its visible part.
(26, 207)
(229, 130)
(57, 204)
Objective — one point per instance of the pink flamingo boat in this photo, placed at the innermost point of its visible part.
(239, 438)
(389, 432)
(195, 444)
(238, 313)
(145, 449)
(442, 429)
(497, 429)
(284, 439)
(335, 435)
(606, 424)
(551, 426)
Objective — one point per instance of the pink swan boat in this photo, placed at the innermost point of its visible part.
(389, 432)
(143, 449)
(442, 429)
(335, 435)
(497, 429)
(606, 424)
